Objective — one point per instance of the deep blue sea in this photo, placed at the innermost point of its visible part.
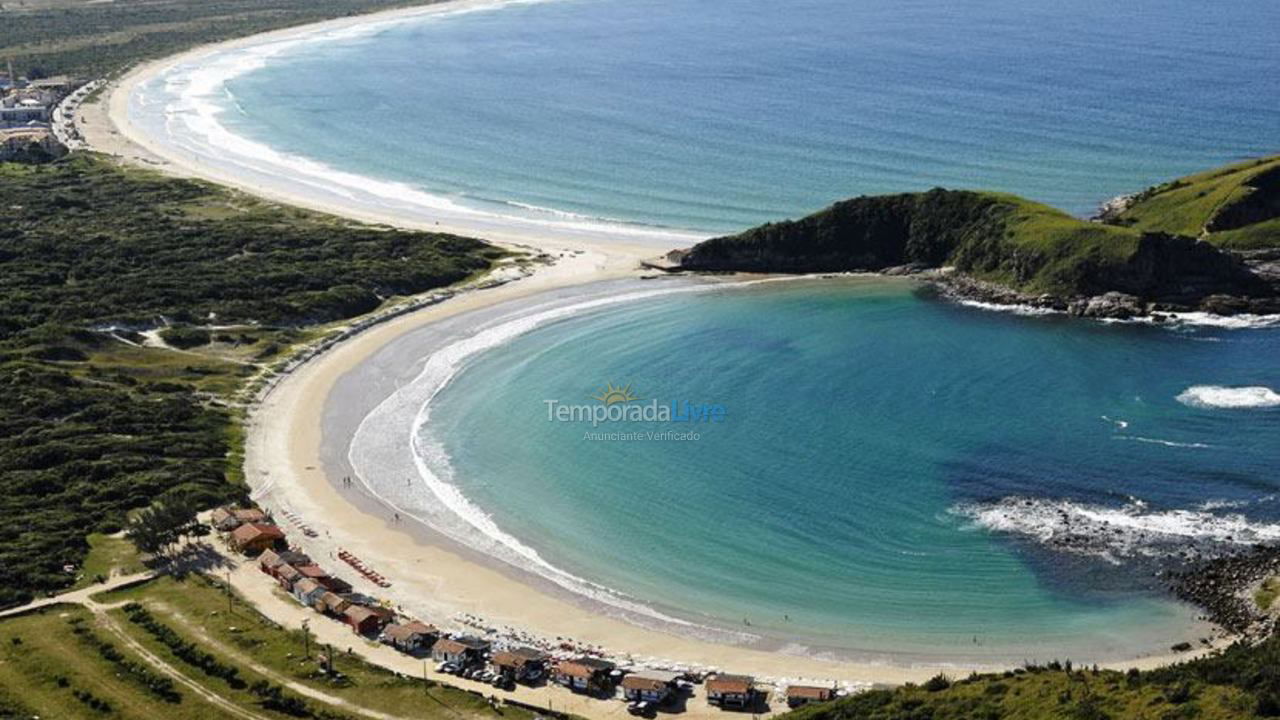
(894, 474)
(716, 115)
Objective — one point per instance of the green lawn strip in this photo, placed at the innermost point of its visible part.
(49, 669)
(107, 553)
(197, 608)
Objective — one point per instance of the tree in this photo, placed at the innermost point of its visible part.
(163, 524)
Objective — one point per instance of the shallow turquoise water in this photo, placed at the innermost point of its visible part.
(860, 420)
(717, 115)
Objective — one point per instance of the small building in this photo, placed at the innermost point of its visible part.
(268, 561)
(521, 665)
(800, 695)
(585, 675)
(652, 686)
(411, 637)
(227, 519)
(308, 591)
(733, 692)
(287, 575)
(463, 650)
(254, 538)
(365, 620)
(331, 603)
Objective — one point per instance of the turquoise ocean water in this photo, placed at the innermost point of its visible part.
(717, 115)
(894, 474)
(890, 470)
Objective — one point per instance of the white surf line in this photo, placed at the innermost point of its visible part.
(377, 438)
(191, 92)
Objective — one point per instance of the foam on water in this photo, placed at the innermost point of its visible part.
(1166, 443)
(1113, 533)
(1171, 320)
(1230, 398)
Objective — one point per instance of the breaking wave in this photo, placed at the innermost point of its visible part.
(1230, 398)
(1166, 443)
(1114, 533)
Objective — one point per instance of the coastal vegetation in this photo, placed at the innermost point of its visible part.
(1172, 244)
(94, 39)
(99, 266)
(1241, 682)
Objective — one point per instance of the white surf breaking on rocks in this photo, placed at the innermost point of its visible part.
(1172, 320)
(1229, 398)
(1114, 533)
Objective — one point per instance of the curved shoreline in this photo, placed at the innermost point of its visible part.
(307, 183)
(285, 444)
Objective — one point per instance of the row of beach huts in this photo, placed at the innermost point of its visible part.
(251, 532)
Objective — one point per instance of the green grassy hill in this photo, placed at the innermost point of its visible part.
(1236, 207)
(1150, 250)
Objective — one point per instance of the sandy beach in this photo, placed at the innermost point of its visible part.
(288, 450)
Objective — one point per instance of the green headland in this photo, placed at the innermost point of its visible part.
(1204, 242)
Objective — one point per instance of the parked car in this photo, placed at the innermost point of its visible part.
(641, 708)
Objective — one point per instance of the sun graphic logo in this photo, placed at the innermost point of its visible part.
(611, 395)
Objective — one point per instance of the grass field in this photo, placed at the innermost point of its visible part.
(108, 555)
(67, 662)
(1186, 205)
(46, 669)
(199, 608)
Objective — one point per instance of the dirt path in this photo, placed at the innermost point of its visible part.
(105, 620)
(279, 679)
(81, 596)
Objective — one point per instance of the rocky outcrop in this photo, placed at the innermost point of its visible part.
(1221, 587)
